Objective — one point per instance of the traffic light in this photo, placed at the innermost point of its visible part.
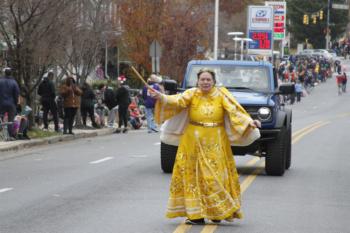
(306, 19)
(321, 14)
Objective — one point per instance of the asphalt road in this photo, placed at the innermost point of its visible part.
(114, 183)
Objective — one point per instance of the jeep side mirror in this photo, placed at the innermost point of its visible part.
(286, 88)
(170, 85)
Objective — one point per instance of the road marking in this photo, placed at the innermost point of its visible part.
(308, 130)
(182, 228)
(343, 115)
(157, 144)
(5, 190)
(209, 229)
(138, 156)
(247, 181)
(101, 160)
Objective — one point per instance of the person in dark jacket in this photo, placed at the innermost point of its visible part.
(87, 104)
(123, 101)
(109, 99)
(48, 94)
(9, 94)
(71, 102)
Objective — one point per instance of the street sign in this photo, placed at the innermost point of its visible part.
(340, 6)
(260, 30)
(260, 17)
(279, 15)
(155, 49)
(155, 52)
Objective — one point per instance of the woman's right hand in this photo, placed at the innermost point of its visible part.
(154, 93)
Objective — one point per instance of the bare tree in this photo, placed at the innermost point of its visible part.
(80, 53)
(31, 30)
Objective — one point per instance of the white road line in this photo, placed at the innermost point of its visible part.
(156, 144)
(138, 156)
(5, 190)
(101, 160)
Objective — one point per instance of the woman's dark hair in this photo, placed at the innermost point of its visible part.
(206, 70)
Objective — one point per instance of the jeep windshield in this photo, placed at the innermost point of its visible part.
(244, 78)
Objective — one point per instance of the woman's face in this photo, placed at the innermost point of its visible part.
(205, 82)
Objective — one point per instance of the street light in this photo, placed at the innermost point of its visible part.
(235, 34)
(242, 40)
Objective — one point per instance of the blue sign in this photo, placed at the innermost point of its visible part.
(262, 39)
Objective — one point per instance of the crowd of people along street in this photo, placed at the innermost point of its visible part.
(308, 72)
(104, 107)
(108, 106)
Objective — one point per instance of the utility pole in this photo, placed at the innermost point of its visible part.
(216, 29)
(328, 36)
(348, 26)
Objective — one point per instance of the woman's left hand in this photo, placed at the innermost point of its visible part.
(256, 123)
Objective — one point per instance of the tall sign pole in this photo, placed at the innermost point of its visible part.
(216, 29)
(279, 21)
(327, 30)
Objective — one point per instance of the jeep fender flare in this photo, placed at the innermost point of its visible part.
(284, 118)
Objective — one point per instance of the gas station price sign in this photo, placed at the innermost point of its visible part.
(262, 39)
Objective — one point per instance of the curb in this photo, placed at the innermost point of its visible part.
(54, 139)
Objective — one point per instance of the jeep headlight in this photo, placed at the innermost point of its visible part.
(264, 114)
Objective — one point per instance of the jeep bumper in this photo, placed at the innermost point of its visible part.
(266, 136)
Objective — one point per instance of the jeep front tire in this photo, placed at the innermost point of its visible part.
(167, 157)
(276, 155)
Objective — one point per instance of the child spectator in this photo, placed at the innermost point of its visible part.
(135, 116)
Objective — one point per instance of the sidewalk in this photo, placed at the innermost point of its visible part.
(78, 133)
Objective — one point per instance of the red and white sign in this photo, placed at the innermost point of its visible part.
(279, 16)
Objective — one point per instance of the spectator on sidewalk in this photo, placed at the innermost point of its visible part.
(149, 102)
(87, 104)
(135, 116)
(71, 101)
(9, 94)
(123, 101)
(100, 112)
(21, 122)
(48, 94)
(109, 99)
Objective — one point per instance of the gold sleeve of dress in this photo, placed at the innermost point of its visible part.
(239, 118)
(170, 105)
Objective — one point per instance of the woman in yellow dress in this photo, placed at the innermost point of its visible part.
(205, 181)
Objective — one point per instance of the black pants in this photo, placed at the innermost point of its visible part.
(123, 116)
(51, 106)
(85, 111)
(69, 114)
(11, 113)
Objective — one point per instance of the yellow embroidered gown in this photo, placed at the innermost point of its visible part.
(205, 180)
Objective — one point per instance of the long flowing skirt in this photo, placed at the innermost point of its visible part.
(205, 180)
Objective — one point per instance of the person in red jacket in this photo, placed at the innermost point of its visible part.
(340, 78)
